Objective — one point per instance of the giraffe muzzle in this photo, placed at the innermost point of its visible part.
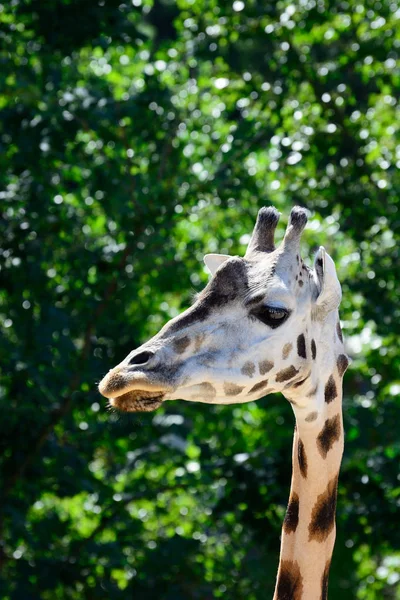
(132, 391)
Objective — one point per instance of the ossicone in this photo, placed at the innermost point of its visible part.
(297, 221)
(262, 239)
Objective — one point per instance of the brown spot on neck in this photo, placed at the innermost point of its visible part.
(292, 514)
(323, 513)
(286, 374)
(248, 369)
(330, 390)
(289, 585)
(330, 434)
(342, 364)
(302, 458)
(286, 350)
(265, 366)
(324, 581)
(312, 416)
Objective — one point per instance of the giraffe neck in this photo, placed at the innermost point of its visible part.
(308, 533)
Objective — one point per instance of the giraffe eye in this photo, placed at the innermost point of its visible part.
(270, 315)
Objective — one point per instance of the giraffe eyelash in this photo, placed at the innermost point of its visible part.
(272, 316)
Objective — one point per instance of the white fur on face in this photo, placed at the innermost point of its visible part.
(241, 358)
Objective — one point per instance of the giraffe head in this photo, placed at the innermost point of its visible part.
(261, 325)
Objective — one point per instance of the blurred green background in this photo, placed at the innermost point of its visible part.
(135, 137)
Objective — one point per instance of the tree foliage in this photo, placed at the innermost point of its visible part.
(135, 137)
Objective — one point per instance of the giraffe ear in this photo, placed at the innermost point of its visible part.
(213, 261)
(328, 286)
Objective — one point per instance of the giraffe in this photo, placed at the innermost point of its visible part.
(264, 323)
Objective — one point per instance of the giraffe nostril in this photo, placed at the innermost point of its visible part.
(141, 359)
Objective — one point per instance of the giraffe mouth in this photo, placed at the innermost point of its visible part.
(138, 401)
